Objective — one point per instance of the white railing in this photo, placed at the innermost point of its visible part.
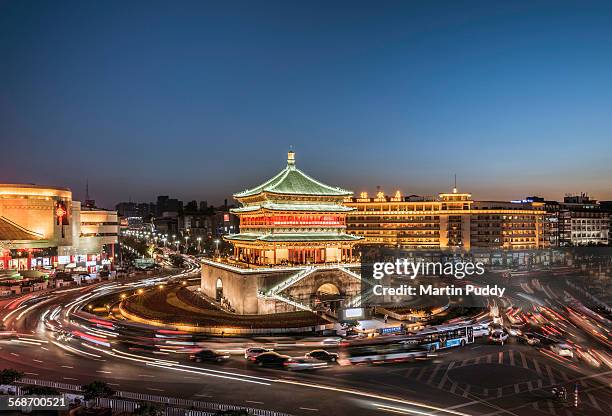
(350, 272)
(354, 301)
(124, 401)
(291, 280)
(292, 302)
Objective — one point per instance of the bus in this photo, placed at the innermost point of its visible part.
(380, 353)
(438, 338)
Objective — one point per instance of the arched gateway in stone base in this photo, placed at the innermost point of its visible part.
(292, 243)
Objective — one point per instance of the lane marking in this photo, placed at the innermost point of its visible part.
(433, 374)
(445, 376)
(523, 359)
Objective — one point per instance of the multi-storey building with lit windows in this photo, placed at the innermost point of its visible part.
(582, 221)
(452, 220)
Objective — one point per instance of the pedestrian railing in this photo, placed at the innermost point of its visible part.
(125, 401)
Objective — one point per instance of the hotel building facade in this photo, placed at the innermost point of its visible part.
(453, 220)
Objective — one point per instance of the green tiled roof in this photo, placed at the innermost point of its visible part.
(292, 237)
(293, 181)
(294, 207)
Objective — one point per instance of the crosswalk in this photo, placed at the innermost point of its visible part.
(540, 377)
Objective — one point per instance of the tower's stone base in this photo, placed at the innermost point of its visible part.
(239, 288)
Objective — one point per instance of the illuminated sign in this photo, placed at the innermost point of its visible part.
(63, 259)
(352, 313)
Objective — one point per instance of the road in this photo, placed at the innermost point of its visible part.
(479, 379)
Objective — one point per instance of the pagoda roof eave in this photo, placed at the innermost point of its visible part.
(325, 208)
(292, 238)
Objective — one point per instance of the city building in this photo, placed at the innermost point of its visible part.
(168, 207)
(582, 221)
(453, 220)
(43, 228)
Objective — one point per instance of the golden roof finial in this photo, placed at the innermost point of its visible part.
(291, 156)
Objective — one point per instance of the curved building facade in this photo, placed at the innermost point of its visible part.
(42, 227)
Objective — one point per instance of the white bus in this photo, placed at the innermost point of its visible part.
(438, 338)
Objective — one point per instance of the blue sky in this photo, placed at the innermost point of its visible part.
(199, 100)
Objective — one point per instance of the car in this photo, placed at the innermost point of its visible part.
(322, 355)
(331, 341)
(296, 364)
(498, 336)
(271, 359)
(481, 329)
(252, 352)
(208, 355)
(563, 350)
(588, 357)
(515, 330)
(529, 338)
(495, 327)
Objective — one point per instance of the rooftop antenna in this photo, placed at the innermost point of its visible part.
(87, 189)
(455, 187)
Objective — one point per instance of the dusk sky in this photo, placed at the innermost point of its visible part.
(199, 100)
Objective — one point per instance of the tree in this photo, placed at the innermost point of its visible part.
(148, 409)
(41, 391)
(96, 389)
(177, 260)
(10, 376)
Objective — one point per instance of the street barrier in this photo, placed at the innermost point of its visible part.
(125, 401)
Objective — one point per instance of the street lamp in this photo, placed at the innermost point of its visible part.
(199, 244)
(217, 247)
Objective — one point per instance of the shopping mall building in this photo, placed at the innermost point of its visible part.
(43, 228)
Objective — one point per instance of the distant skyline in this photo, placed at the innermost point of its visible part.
(199, 100)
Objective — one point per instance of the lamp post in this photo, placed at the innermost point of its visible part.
(199, 244)
(217, 247)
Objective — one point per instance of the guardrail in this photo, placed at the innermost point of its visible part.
(125, 401)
